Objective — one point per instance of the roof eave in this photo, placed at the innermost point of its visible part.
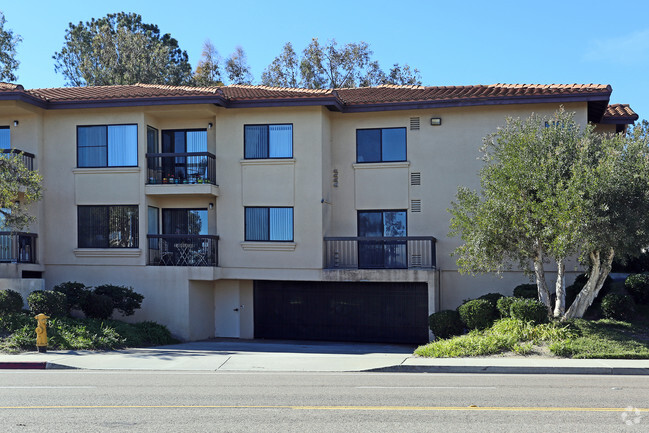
(619, 120)
(23, 97)
(332, 103)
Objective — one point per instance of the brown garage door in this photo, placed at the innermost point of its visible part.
(370, 312)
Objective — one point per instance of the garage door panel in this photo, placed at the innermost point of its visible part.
(372, 312)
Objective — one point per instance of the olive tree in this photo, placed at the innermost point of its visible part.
(551, 190)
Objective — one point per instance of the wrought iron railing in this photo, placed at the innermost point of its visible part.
(177, 168)
(17, 247)
(183, 250)
(28, 158)
(411, 252)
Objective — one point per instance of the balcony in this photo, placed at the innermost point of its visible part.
(411, 252)
(183, 250)
(181, 168)
(28, 158)
(17, 247)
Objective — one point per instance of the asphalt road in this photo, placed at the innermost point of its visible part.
(96, 401)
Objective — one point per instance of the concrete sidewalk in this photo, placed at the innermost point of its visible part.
(255, 355)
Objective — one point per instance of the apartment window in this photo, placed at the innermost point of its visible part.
(268, 141)
(107, 146)
(381, 145)
(5, 140)
(376, 252)
(269, 224)
(108, 226)
(184, 221)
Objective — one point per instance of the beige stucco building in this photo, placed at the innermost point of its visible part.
(248, 211)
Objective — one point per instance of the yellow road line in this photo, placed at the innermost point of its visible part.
(360, 408)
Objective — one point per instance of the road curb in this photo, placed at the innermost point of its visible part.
(23, 365)
(621, 371)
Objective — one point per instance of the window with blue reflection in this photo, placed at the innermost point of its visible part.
(268, 141)
(381, 145)
(5, 138)
(107, 146)
(269, 224)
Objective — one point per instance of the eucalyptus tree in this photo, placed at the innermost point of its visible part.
(208, 71)
(237, 68)
(8, 43)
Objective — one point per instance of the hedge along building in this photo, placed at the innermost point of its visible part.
(248, 211)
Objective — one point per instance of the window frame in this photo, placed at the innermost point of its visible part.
(382, 212)
(185, 131)
(268, 208)
(107, 207)
(165, 211)
(405, 144)
(267, 125)
(107, 125)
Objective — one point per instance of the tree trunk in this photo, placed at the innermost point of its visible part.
(542, 286)
(600, 268)
(560, 289)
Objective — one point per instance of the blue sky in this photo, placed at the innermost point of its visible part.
(451, 43)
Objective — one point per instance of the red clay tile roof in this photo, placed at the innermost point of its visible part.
(387, 94)
(242, 92)
(623, 111)
(119, 92)
(8, 87)
(364, 95)
(386, 97)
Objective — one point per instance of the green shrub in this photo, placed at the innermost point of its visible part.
(10, 302)
(125, 299)
(75, 292)
(638, 287)
(477, 314)
(492, 297)
(504, 305)
(97, 306)
(53, 304)
(529, 310)
(154, 334)
(529, 291)
(618, 307)
(445, 324)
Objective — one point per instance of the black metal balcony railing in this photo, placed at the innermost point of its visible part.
(177, 168)
(183, 250)
(411, 252)
(28, 158)
(17, 247)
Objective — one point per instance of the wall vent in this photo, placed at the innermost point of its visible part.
(415, 178)
(334, 177)
(415, 205)
(414, 123)
(415, 260)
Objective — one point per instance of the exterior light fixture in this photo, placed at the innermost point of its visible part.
(436, 121)
(211, 206)
(16, 123)
(209, 125)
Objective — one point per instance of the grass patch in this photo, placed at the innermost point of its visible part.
(17, 333)
(506, 335)
(575, 339)
(605, 339)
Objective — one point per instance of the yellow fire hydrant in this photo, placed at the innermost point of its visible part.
(41, 332)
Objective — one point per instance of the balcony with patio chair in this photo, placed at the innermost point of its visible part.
(183, 250)
(17, 247)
